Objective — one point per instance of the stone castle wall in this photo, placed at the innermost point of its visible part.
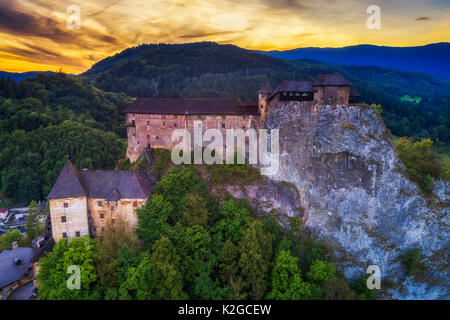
(109, 211)
(155, 130)
(101, 211)
(75, 214)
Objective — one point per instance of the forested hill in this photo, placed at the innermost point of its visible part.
(414, 104)
(49, 117)
(432, 58)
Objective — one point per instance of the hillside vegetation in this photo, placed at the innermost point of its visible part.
(45, 119)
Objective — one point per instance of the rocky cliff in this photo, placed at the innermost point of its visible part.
(350, 182)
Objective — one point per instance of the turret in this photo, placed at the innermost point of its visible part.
(263, 97)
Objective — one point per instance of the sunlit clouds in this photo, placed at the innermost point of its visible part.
(34, 34)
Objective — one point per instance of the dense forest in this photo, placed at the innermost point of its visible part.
(211, 70)
(44, 120)
(187, 246)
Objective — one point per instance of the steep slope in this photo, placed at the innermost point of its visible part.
(343, 163)
(432, 58)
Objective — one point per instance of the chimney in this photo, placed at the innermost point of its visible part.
(15, 245)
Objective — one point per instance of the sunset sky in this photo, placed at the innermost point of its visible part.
(34, 34)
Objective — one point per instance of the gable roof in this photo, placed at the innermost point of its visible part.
(108, 184)
(330, 79)
(186, 106)
(10, 271)
(265, 87)
(117, 184)
(68, 184)
(293, 86)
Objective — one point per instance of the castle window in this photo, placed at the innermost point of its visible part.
(132, 123)
(164, 124)
(63, 219)
(148, 123)
(64, 235)
(102, 216)
(135, 204)
(262, 107)
(99, 203)
(66, 205)
(175, 125)
(223, 125)
(113, 220)
(112, 208)
(156, 137)
(77, 234)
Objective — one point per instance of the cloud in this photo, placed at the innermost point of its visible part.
(14, 20)
(422, 18)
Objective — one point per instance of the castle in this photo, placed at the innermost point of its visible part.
(81, 202)
(150, 122)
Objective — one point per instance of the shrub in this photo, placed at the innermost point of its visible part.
(411, 259)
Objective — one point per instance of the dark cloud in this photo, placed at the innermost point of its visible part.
(205, 34)
(422, 18)
(13, 20)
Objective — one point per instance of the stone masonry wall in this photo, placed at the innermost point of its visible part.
(156, 129)
(76, 217)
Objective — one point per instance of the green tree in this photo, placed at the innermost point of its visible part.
(196, 211)
(411, 260)
(337, 289)
(234, 220)
(138, 281)
(115, 236)
(7, 239)
(175, 188)
(34, 225)
(286, 281)
(321, 271)
(52, 277)
(153, 220)
(255, 250)
(165, 276)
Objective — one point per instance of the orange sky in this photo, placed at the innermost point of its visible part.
(34, 34)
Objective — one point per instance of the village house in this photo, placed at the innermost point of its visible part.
(3, 214)
(81, 202)
(15, 269)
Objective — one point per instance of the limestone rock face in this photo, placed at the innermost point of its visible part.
(344, 165)
(278, 199)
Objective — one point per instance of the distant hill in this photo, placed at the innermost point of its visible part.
(433, 58)
(18, 76)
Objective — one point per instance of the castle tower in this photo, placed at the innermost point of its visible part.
(263, 97)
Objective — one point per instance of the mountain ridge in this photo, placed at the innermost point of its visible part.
(433, 58)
